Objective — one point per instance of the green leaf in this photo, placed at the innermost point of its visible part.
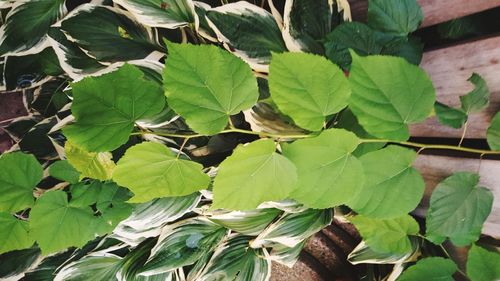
(493, 133)
(83, 195)
(449, 116)
(106, 107)
(389, 93)
(306, 23)
(19, 174)
(248, 223)
(430, 269)
(96, 165)
(392, 186)
(293, 228)
(396, 16)
(409, 48)
(25, 28)
(111, 203)
(364, 254)
(254, 174)
(458, 209)
(182, 244)
(62, 170)
(387, 235)
(233, 260)
(328, 174)
(205, 85)
(477, 99)
(307, 88)
(56, 224)
(125, 40)
(248, 31)
(161, 13)
(351, 35)
(151, 170)
(13, 233)
(483, 265)
(95, 266)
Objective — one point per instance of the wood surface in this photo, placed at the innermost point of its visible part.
(435, 11)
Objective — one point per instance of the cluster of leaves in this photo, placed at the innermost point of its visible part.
(145, 189)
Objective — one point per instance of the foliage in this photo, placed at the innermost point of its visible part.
(151, 153)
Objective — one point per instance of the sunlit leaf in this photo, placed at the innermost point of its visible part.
(96, 165)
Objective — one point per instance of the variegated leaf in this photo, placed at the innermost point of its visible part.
(364, 254)
(284, 255)
(245, 222)
(96, 266)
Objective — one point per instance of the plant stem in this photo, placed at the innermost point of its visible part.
(463, 134)
(303, 136)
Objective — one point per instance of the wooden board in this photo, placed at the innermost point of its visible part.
(436, 168)
(449, 69)
(435, 11)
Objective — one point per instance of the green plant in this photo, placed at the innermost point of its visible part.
(146, 189)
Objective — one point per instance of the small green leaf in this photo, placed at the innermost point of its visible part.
(182, 244)
(161, 13)
(248, 31)
(62, 170)
(307, 88)
(83, 195)
(56, 224)
(387, 235)
(493, 133)
(19, 174)
(458, 209)
(13, 233)
(392, 186)
(255, 173)
(430, 269)
(449, 116)
(483, 265)
(398, 17)
(205, 85)
(388, 93)
(151, 170)
(106, 108)
(111, 203)
(477, 99)
(96, 165)
(328, 174)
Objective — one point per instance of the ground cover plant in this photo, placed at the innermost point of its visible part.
(184, 140)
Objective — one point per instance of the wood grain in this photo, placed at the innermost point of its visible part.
(436, 168)
(449, 68)
(435, 11)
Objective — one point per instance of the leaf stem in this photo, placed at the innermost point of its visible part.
(302, 136)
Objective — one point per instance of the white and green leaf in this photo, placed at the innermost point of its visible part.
(251, 222)
(364, 254)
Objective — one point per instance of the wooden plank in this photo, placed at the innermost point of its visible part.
(436, 168)
(435, 11)
(449, 69)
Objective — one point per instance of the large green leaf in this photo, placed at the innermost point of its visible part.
(125, 39)
(477, 99)
(151, 170)
(395, 16)
(161, 13)
(392, 186)
(182, 244)
(430, 269)
(233, 260)
(248, 31)
(25, 29)
(458, 209)
(493, 132)
(96, 165)
(106, 107)
(13, 233)
(251, 222)
(19, 174)
(206, 84)
(389, 93)
(388, 235)
(62, 170)
(306, 23)
(255, 173)
(483, 265)
(328, 174)
(307, 88)
(56, 224)
(293, 228)
(449, 116)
